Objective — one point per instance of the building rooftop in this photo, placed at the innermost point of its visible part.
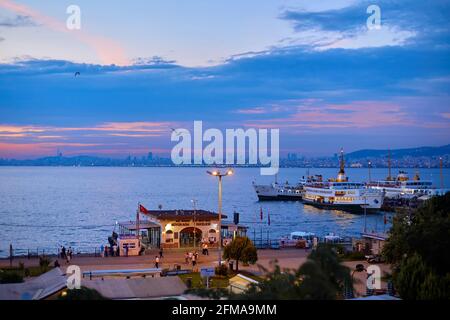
(180, 214)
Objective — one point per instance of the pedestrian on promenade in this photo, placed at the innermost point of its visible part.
(114, 250)
(126, 249)
(206, 249)
(70, 252)
(106, 250)
(196, 255)
(194, 261)
(102, 251)
(161, 253)
(67, 258)
(186, 258)
(156, 262)
(63, 252)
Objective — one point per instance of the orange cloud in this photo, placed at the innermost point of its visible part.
(107, 50)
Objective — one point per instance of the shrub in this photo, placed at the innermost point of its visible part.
(11, 277)
(221, 270)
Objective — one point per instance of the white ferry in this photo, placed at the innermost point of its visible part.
(341, 194)
(276, 192)
(403, 187)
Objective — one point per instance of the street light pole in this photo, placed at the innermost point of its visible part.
(194, 202)
(219, 175)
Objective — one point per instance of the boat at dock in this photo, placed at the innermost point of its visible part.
(342, 194)
(403, 187)
(280, 192)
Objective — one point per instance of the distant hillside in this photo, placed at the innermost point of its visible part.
(400, 153)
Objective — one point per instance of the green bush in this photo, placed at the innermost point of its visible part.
(44, 263)
(221, 270)
(11, 277)
(355, 255)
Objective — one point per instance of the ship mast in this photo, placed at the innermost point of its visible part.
(341, 162)
(389, 178)
(341, 175)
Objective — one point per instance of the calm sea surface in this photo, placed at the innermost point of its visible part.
(44, 207)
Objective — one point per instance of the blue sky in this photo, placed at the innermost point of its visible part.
(310, 68)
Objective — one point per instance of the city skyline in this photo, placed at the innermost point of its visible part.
(313, 70)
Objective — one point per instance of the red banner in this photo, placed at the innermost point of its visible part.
(142, 209)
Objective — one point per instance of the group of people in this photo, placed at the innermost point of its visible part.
(112, 251)
(66, 253)
(191, 258)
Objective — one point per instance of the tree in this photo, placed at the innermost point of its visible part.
(324, 277)
(241, 249)
(418, 250)
(321, 277)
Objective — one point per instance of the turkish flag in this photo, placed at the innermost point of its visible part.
(142, 209)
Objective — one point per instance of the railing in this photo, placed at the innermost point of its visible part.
(46, 251)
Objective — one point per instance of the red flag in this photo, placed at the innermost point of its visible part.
(268, 218)
(261, 214)
(142, 209)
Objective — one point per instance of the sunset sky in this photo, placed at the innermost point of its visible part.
(310, 68)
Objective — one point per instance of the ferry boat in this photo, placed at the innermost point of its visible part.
(279, 192)
(403, 187)
(342, 194)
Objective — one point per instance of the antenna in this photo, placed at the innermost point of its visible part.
(389, 166)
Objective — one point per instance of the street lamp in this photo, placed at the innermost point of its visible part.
(194, 202)
(218, 174)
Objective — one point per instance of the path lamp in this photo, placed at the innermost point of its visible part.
(219, 175)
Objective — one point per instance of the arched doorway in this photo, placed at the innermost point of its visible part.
(190, 237)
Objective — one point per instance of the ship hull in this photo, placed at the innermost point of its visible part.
(353, 208)
(279, 198)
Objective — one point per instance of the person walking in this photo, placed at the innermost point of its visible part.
(161, 253)
(126, 249)
(194, 261)
(102, 251)
(186, 258)
(106, 250)
(206, 249)
(156, 262)
(114, 250)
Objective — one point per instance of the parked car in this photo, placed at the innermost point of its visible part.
(375, 259)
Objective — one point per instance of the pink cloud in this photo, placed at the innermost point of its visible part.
(358, 114)
(108, 51)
